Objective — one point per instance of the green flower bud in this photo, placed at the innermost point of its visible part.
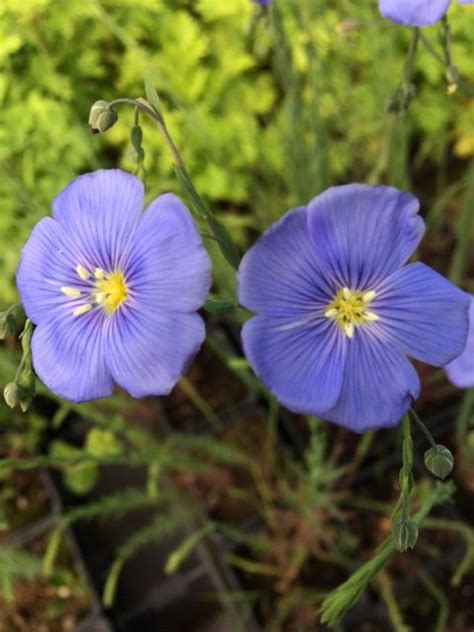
(404, 533)
(7, 325)
(136, 137)
(12, 394)
(101, 117)
(439, 461)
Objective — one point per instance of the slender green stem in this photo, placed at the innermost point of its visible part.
(200, 403)
(422, 426)
(465, 418)
(408, 70)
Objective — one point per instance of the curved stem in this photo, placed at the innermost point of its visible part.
(159, 122)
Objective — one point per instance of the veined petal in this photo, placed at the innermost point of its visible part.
(168, 265)
(461, 370)
(301, 362)
(148, 350)
(423, 314)
(68, 356)
(361, 233)
(278, 275)
(47, 263)
(466, 2)
(414, 12)
(100, 211)
(378, 388)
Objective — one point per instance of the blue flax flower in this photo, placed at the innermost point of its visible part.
(415, 12)
(113, 291)
(461, 370)
(337, 311)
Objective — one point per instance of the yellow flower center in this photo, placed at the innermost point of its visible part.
(112, 291)
(350, 309)
(107, 290)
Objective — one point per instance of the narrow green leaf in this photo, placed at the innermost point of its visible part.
(152, 96)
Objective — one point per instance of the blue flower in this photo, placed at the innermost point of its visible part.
(337, 311)
(262, 2)
(415, 12)
(461, 370)
(113, 291)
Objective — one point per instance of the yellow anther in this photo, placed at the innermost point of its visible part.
(349, 309)
(368, 296)
(99, 297)
(99, 274)
(71, 292)
(349, 329)
(82, 272)
(82, 309)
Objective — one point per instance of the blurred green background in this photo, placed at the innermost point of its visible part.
(267, 108)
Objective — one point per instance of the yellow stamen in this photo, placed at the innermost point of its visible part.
(349, 329)
(99, 273)
(71, 292)
(82, 272)
(368, 296)
(349, 310)
(82, 309)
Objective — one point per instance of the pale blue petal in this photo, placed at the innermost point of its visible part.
(279, 275)
(461, 370)
(47, 263)
(301, 362)
(100, 212)
(168, 265)
(379, 385)
(362, 234)
(423, 314)
(414, 12)
(69, 356)
(148, 350)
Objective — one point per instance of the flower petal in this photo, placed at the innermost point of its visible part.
(302, 363)
(278, 275)
(362, 233)
(68, 356)
(100, 212)
(461, 370)
(47, 263)
(149, 350)
(168, 265)
(378, 387)
(413, 12)
(423, 314)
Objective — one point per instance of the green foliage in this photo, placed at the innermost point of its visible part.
(16, 565)
(252, 138)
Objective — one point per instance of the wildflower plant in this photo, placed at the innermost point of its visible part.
(337, 310)
(113, 292)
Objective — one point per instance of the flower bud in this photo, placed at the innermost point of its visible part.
(101, 117)
(7, 325)
(12, 394)
(404, 533)
(439, 461)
